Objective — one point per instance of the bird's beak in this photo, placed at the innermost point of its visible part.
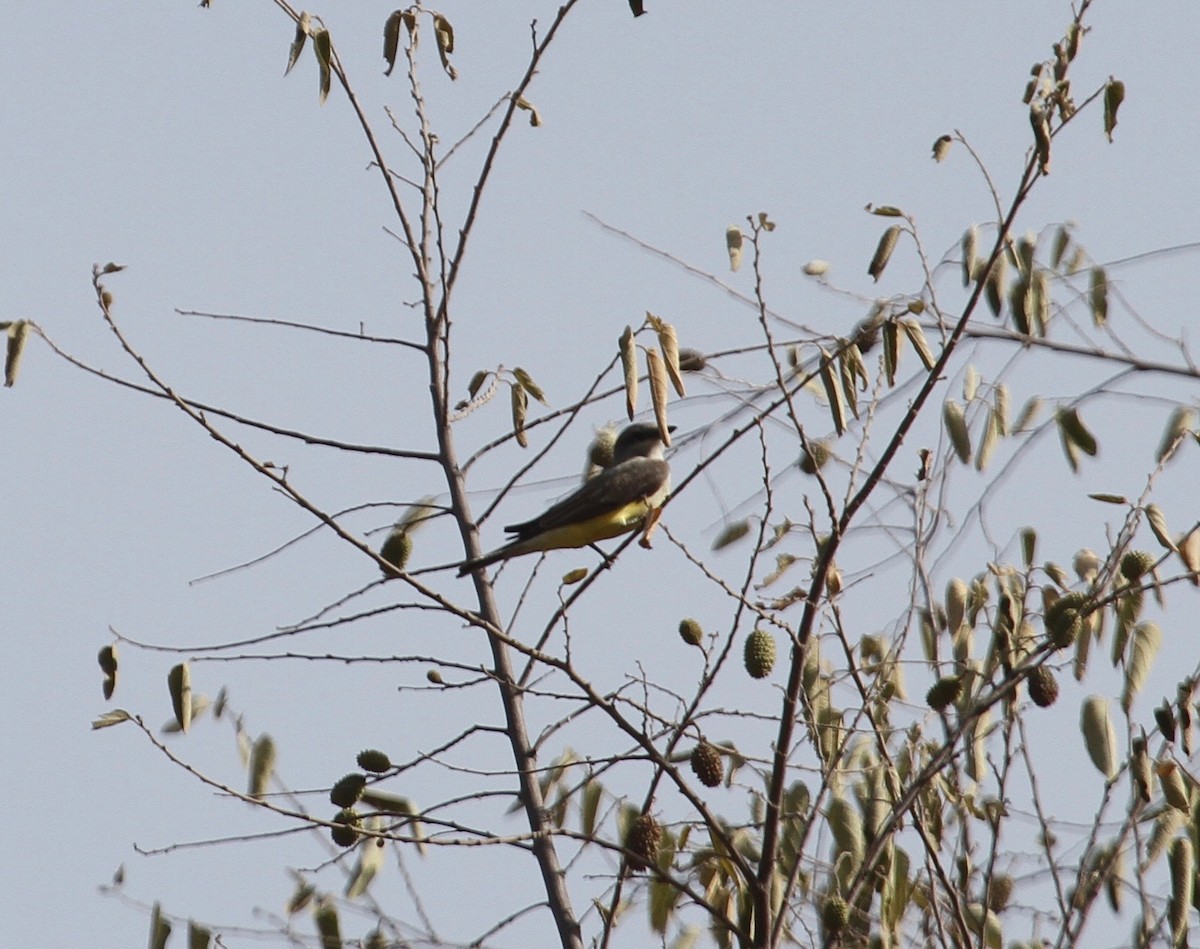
(671, 428)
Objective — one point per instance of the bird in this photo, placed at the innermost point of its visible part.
(621, 498)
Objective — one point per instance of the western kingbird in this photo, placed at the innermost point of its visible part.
(617, 500)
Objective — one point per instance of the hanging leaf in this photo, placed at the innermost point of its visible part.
(1029, 412)
(1075, 436)
(323, 47)
(520, 404)
(669, 344)
(629, 364)
(443, 32)
(391, 38)
(916, 335)
(108, 719)
(535, 117)
(956, 428)
(368, 864)
(298, 43)
(970, 244)
(1039, 119)
(987, 441)
(325, 916)
(1114, 95)
(1000, 407)
(1146, 641)
(885, 210)
(659, 396)
(995, 282)
(733, 243)
(198, 936)
(883, 251)
(1179, 424)
(1182, 861)
(891, 351)
(529, 385)
(262, 766)
(854, 372)
(833, 392)
(1062, 240)
(941, 147)
(1098, 296)
(160, 928)
(1158, 525)
(731, 533)
(179, 681)
(1098, 735)
(18, 332)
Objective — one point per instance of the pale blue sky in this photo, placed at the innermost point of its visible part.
(164, 137)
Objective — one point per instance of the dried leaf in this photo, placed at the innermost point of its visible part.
(1075, 436)
(520, 404)
(1098, 296)
(443, 32)
(916, 335)
(1178, 425)
(108, 719)
(669, 343)
(1029, 412)
(18, 332)
(629, 364)
(262, 766)
(731, 533)
(1158, 525)
(1147, 638)
(833, 392)
(297, 46)
(323, 47)
(179, 682)
(987, 441)
(970, 244)
(956, 428)
(657, 373)
(891, 351)
(535, 117)
(1039, 119)
(883, 250)
(1182, 861)
(1098, 735)
(1114, 95)
(941, 147)
(995, 282)
(529, 385)
(733, 243)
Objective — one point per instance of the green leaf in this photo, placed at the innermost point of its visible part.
(1075, 436)
(1109, 498)
(970, 254)
(520, 404)
(529, 385)
(1178, 425)
(1114, 95)
(731, 533)
(325, 915)
(593, 791)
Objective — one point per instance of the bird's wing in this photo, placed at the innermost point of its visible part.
(612, 488)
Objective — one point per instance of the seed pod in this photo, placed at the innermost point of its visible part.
(373, 760)
(999, 892)
(345, 834)
(1064, 619)
(642, 842)
(707, 764)
(835, 914)
(396, 550)
(759, 656)
(944, 692)
(814, 457)
(690, 632)
(347, 791)
(629, 365)
(1043, 687)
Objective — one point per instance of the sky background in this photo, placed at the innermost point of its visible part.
(165, 138)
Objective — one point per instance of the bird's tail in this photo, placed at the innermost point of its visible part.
(470, 566)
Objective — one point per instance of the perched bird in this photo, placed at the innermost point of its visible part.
(621, 498)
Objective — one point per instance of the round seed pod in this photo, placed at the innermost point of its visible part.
(643, 841)
(374, 761)
(345, 833)
(835, 914)
(1043, 687)
(1135, 563)
(690, 632)
(944, 692)
(759, 657)
(707, 764)
(348, 790)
